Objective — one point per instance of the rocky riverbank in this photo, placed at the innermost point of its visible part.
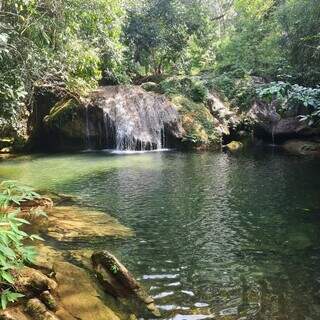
(66, 285)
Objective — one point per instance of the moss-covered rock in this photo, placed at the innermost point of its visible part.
(234, 146)
(198, 122)
(62, 113)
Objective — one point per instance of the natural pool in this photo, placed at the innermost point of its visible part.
(237, 236)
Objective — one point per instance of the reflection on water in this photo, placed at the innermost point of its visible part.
(217, 236)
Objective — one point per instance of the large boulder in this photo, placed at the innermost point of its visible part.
(79, 298)
(205, 124)
(112, 117)
(31, 282)
(225, 118)
(269, 122)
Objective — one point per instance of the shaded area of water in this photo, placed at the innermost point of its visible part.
(237, 237)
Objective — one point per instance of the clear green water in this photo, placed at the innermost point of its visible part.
(236, 236)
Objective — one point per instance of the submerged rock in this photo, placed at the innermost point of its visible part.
(302, 147)
(234, 146)
(54, 289)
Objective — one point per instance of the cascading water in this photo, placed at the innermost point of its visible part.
(135, 119)
(88, 140)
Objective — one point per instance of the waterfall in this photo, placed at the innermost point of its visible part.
(272, 135)
(135, 119)
(87, 138)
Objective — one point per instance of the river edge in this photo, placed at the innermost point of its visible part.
(62, 285)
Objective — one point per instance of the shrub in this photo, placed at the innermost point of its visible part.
(13, 252)
(240, 92)
(190, 87)
(304, 101)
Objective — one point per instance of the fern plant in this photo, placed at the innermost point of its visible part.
(13, 252)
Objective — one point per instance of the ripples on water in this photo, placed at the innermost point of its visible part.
(217, 236)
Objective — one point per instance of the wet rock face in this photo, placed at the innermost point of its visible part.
(224, 118)
(137, 120)
(113, 117)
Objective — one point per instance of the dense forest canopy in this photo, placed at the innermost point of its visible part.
(77, 45)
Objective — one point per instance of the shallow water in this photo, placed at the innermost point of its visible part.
(230, 236)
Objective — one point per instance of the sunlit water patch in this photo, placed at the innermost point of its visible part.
(217, 236)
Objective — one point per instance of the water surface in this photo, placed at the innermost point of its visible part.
(217, 235)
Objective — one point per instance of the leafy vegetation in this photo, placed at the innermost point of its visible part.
(13, 251)
(303, 101)
(189, 47)
(162, 34)
(56, 44)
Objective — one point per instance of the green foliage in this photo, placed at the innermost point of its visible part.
(191, 87)
(69, 44)
(13, 252)
(12, 192)
(240, 92)
(304, 101)
(76, 45)
(161, 34)
(251, 43)
(272, 39)
(299, 20)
